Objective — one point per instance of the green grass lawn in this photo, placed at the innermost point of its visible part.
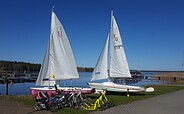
(117, 99)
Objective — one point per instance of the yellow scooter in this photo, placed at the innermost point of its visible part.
(101, 103)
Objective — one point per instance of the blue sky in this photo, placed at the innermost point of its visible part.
(152, 30)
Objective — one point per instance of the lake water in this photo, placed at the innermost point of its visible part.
(23, 88)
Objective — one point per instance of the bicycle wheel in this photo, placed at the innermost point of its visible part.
(68, 104)
(107, 104)
(112, 104)
(54, 107)
(61, 105)
(71, 104)
(80, 107)
(83, 106)
(101, 108)
(37, 106)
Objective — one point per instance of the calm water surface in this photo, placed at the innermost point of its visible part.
(23, 88)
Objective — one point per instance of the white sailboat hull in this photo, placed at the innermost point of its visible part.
(110, 86)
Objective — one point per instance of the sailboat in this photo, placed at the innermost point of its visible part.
(117, 64)
(59, 63)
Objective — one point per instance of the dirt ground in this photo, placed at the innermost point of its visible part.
(9, 106)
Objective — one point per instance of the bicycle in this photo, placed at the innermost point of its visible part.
(44, 102)
(101, 103)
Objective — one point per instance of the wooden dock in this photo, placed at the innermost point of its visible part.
(18, 80)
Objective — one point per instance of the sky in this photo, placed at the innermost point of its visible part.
(152, 31)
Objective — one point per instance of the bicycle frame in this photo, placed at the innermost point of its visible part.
(98, 103)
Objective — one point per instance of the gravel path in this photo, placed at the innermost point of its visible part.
(8, 106)
(171, 103)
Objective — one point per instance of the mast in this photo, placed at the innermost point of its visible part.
(109, 79)
(50, 39)
(111, 19)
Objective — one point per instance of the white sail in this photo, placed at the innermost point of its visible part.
(100, 71)
(59, 63)
(118, 63)
(118, 66)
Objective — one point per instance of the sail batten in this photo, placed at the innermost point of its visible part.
(59, 63)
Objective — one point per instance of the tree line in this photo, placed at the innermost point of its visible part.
(84, 69)
(14, 66)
